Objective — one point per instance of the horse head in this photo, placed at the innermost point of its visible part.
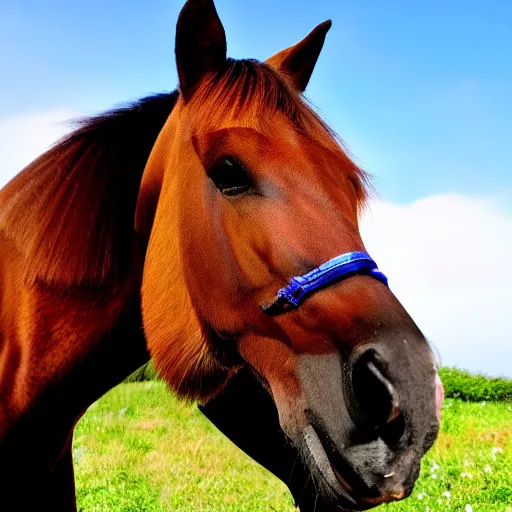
(246, 188)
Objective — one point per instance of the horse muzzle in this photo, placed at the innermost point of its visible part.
(369, 420)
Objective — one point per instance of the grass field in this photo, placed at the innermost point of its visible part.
(139, 450)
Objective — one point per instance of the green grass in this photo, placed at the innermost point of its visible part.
(140, 450)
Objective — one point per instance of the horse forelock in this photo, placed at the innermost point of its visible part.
(248, 92)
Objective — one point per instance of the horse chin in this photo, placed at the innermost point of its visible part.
(333, 490)
(338, 485)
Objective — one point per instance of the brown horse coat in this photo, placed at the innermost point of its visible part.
(173, 222)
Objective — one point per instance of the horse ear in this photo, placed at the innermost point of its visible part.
(200, 44)
(298, 61)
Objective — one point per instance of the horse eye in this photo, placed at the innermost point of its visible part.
(230, 177)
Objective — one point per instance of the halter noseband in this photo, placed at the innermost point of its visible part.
(332, 271)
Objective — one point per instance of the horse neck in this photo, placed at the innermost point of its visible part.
(60, 353)
(67, 334)
(50, 336)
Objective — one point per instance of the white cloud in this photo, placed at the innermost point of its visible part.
(24, 137)
(448, 261)
(447, 256)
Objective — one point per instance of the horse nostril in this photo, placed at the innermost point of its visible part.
(375, 398)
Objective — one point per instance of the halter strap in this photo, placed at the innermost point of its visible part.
(332, 271)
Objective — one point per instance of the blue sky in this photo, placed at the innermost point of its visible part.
(420, 92)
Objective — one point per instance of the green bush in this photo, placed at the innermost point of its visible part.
(474, 388)
(457, 384)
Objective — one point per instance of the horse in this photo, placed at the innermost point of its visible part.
(215, 229)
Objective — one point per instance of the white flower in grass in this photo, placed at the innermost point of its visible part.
(468, 508)
(434, 466)
(434, 476)
(487, 469)
(421, 496)
(483, 404)
(466, 475)
(495, 451)
(447, 494)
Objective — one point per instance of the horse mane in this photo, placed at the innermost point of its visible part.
(71, 211)
(247, 91)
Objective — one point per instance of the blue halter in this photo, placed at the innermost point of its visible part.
(332, 271)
